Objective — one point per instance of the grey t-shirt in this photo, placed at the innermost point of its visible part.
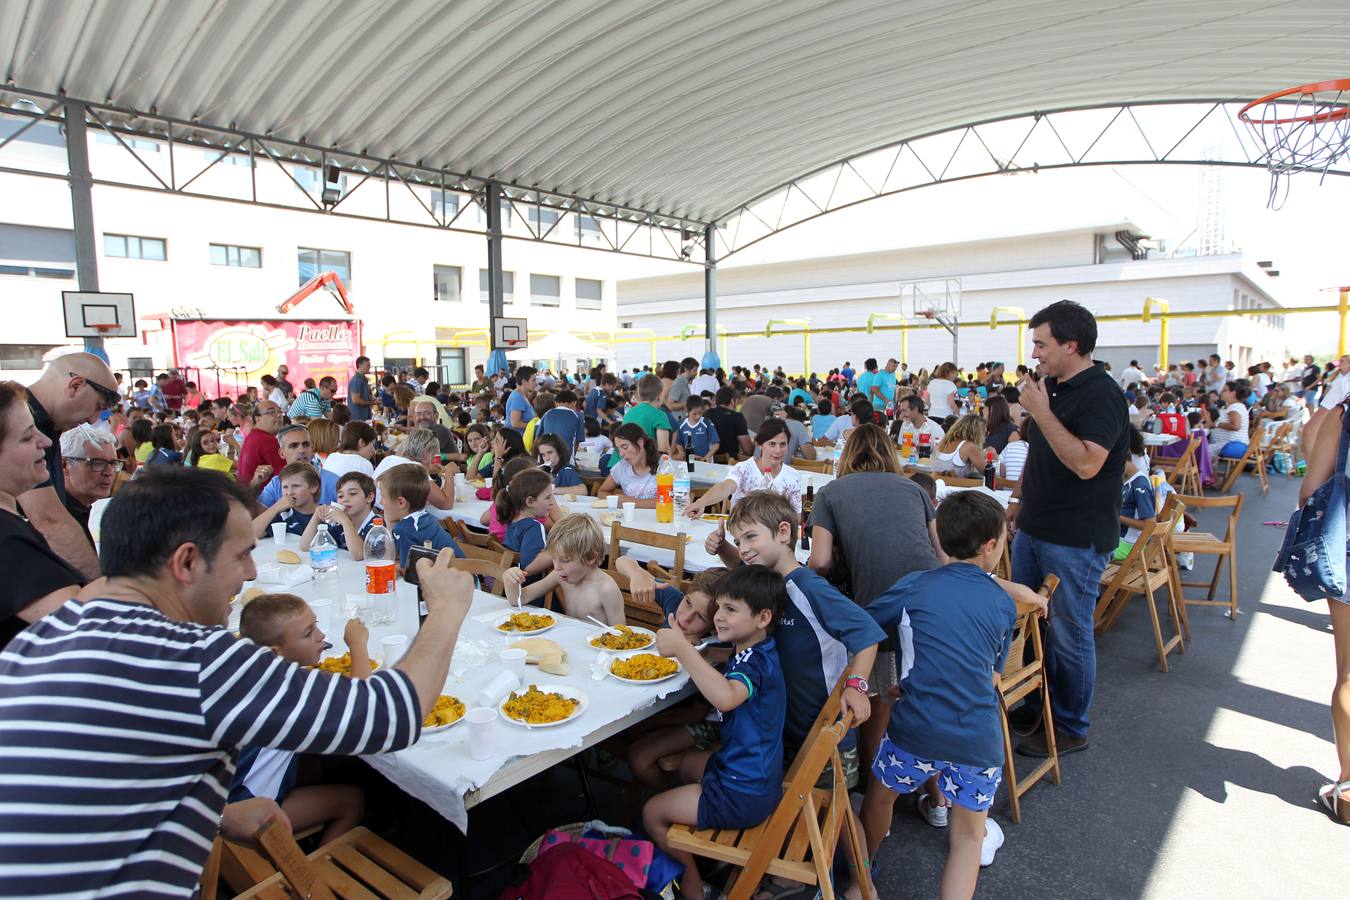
(679, 392)
(880, 526)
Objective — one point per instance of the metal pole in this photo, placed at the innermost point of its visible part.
(710, 289)
(492, 196)
(82, 209)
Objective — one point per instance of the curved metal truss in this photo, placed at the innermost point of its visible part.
(1160, 133)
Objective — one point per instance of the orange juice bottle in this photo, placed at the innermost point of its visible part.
(665, 490)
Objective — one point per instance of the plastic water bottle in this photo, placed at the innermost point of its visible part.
(665, 490)
(323, 553)
(682, 487)
(838, 453)
(381, 571)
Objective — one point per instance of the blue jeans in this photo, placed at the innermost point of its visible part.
(1070, 648)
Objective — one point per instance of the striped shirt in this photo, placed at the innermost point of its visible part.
(310, 405)
(119, 729)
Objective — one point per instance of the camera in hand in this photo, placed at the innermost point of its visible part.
(411, 576)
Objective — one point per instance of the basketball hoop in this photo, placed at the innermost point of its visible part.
(928, 313)
(1301, 129)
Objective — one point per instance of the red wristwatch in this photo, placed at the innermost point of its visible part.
(858, 683)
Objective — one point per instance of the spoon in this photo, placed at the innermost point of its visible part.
(610, 628)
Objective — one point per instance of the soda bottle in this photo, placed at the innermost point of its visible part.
(381, 557)
(665, 490)
(681, 490)
(807, 503)
(323, 553)
(990, 469)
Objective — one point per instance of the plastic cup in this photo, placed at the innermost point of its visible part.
(392, 648)
(630, 512)
(323, 612)
(279, 532)
(513, 661)
(487, 483)
(480, 721)
(612, 501)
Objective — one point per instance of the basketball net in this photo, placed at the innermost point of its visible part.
(1302, 129)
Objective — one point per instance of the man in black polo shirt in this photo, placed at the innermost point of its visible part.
(733, 435)
(1068, 517)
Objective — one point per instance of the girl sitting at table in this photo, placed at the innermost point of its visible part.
(479, 439)
(576, 547)
(633, 477)
(204, 452)
(526, 504)
(506, 445)
(767, 472)
(556, 459)
(495, 526)
(961, 451)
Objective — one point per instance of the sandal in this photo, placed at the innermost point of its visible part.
(1332, 801)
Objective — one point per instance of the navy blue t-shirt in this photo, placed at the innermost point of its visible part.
(296, 521)
(340, 536)
(596, 403)
(419, 529)
(700, 435)
(565, 422)
(818, 633)
(751, 758)
(566, 477)
(954, 626)
(526, 537)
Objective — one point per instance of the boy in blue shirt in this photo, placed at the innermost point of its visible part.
(697, 432)
(349, 519)
(820, 634)
(954, 625)
(740, 784)
(405, 489)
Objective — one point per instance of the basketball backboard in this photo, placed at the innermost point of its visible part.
(510, 334)
(941, 296)
(98, 314)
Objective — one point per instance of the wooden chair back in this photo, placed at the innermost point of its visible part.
(463, 535)
(1223, 547)
(635, 611)
(1146, 569)
(1023, 674)
(1184, 474)
(955, 481)
(497, 557)
(483, 569)
(661, 574)
(676, 543)
(818, 466)
(1252, 457)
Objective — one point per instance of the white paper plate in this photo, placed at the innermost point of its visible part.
(651, 635)
(533, 610)
(565, 690)
(678, 668)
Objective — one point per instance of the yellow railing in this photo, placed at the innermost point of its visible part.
(1021, 328)
(1151, 303)
(806, 336)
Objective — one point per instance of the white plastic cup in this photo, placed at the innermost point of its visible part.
(513, 661)
(323, 613)
(392, 648)
(487, 483)
(279, 532)
(612, 501)
(480, 722)
(630, 512)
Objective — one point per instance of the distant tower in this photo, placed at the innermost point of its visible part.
(1211, 209)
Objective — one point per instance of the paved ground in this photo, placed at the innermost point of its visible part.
(1198, 783)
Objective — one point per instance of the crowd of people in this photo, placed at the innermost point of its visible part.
(137, 726)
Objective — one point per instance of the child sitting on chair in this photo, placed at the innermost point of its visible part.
(348, 520)
(954, 625)
(286, 624)
(1137, 500)
(405, 489)
(740, 784)
(576, 547)
(525, 505)
(300, 487)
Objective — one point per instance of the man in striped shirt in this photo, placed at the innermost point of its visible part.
(315, 402)
(120, 718)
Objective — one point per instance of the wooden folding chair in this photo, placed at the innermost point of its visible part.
(1282, 442)
(1146, 569)
(483, 569)
(798, 841)
(1183, 472)
(1020, 678)
(635, 611)
(357, 864)
(1253, 457)
(818, 466)
(240, 867)
(676, 543)
(661, 574)
(463, 535)
(1223, 548)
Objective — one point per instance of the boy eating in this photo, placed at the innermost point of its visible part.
(355, 503)
(740, 784)
(405, 489)
(954, 625)
(286, 624)
(576, 546)
(300, 487)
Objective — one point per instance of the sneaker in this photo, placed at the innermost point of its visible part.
(932, 814)
(993, 839)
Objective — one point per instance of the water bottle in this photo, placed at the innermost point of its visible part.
(838, 453)
(681, 490)
(323, 553)
(665, 489)
(381, 572)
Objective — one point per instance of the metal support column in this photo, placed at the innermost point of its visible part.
(710, 288)
(82, 209)
(492, 196)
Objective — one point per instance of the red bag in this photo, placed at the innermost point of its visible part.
(1173, 424)
(569, 872)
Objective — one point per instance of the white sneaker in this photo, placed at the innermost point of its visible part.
(932, 814)
(993, 839)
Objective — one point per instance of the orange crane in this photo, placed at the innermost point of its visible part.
(325, 280)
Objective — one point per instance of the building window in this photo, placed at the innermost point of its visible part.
(228, 159)
(241, 257)
(446, 283)
(312, 180)
(23, 356)
(103, 137)
(313, 261)
(590, 293)
(542, 219)
(588, 229)
(444, 204)
(506, 215)
(127, 246)
(32, 251)
(508, 287)
(545, 290)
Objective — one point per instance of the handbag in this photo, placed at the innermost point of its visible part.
(1312, 557)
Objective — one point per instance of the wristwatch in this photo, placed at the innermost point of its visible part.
(858, 683)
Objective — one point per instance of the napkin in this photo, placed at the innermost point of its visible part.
(498, 688)
(284, 576)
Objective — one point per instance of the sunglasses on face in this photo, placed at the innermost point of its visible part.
(109, 396)
(98, 466)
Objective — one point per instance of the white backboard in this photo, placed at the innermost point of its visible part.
(510, 334)
(941, 295)
(86, 309)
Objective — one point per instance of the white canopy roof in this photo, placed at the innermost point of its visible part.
(561, 345)
(688, 108)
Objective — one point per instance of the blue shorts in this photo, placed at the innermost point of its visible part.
(964, 786)
(722, 807)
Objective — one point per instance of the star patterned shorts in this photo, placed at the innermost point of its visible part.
(964, 786)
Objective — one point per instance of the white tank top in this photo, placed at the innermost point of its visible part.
(952, 462)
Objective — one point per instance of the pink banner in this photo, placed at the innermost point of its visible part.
(241, 352)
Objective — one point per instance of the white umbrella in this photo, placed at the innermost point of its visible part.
(560, 345)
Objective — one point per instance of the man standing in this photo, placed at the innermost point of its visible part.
(733, 435)
(74, 388)
(847, 372)
(90, 466)
(1132, 375)
(705, 383)
(883, 385)
(679, 388)
(520, 404)
(174, 391)
(866, 378)
(260, 455)
(1218, 375)
(359, 397)
(480, 380)
(315, 402)
(287, 388)
(1068, 518)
